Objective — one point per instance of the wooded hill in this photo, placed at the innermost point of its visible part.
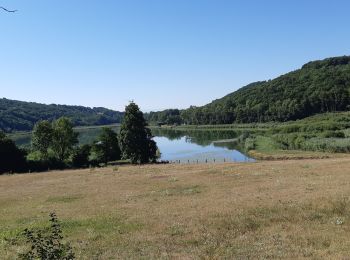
(318, 87)
(21, 116)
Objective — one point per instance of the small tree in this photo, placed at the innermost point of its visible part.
(107, 149)
(135, 139)
(42, 137)
(63, 138)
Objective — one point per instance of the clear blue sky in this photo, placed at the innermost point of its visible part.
(160, 53)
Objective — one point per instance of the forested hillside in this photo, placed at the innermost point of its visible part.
(21, 116)
(318, 87)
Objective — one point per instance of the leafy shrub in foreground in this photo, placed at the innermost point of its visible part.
(47, 246)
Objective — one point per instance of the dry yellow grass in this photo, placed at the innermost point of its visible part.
(276, 209)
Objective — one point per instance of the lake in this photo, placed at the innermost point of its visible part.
(184, 150)
(182, 146)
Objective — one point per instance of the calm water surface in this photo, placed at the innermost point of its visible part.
(187, 151)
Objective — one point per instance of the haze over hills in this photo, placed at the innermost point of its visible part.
(318, 87)
(21, 116)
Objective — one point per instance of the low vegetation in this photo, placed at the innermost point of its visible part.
(272, 209)
(49, 244)
(322, 133)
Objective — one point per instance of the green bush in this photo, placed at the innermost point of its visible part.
(333, 145)
(336, 134)
(47, 245)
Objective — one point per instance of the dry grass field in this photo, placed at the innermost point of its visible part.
(274, 209)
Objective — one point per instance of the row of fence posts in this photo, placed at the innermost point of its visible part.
(200, 161)
(214, 160)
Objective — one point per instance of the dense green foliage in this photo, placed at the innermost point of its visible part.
(63, 138)
(47, 244)
(168, 117)
(318, 87)
(57, 139)
(135, 137)
(12, 159)
(56, 145)
(106, 149)
(42, 137)
(22, 116)
(328, 132)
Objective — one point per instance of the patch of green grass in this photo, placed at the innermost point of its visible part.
(306, 166)
(266, 144)
(63, 199)
(101, 225)
(93, 229)
(12, 235)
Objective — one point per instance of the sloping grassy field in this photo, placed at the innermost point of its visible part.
(272, 209)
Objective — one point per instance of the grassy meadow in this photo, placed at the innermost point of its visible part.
(270, 209)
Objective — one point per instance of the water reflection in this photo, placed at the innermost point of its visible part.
(199, 146)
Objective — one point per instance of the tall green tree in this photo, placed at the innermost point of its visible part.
(106, 148)
(63, 138)
(135, 139)
(42, 137)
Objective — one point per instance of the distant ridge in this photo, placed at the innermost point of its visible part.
(318, 87)
(21, 116)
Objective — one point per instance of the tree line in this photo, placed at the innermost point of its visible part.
(55, 146)
(22, 116)
(318, 87)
